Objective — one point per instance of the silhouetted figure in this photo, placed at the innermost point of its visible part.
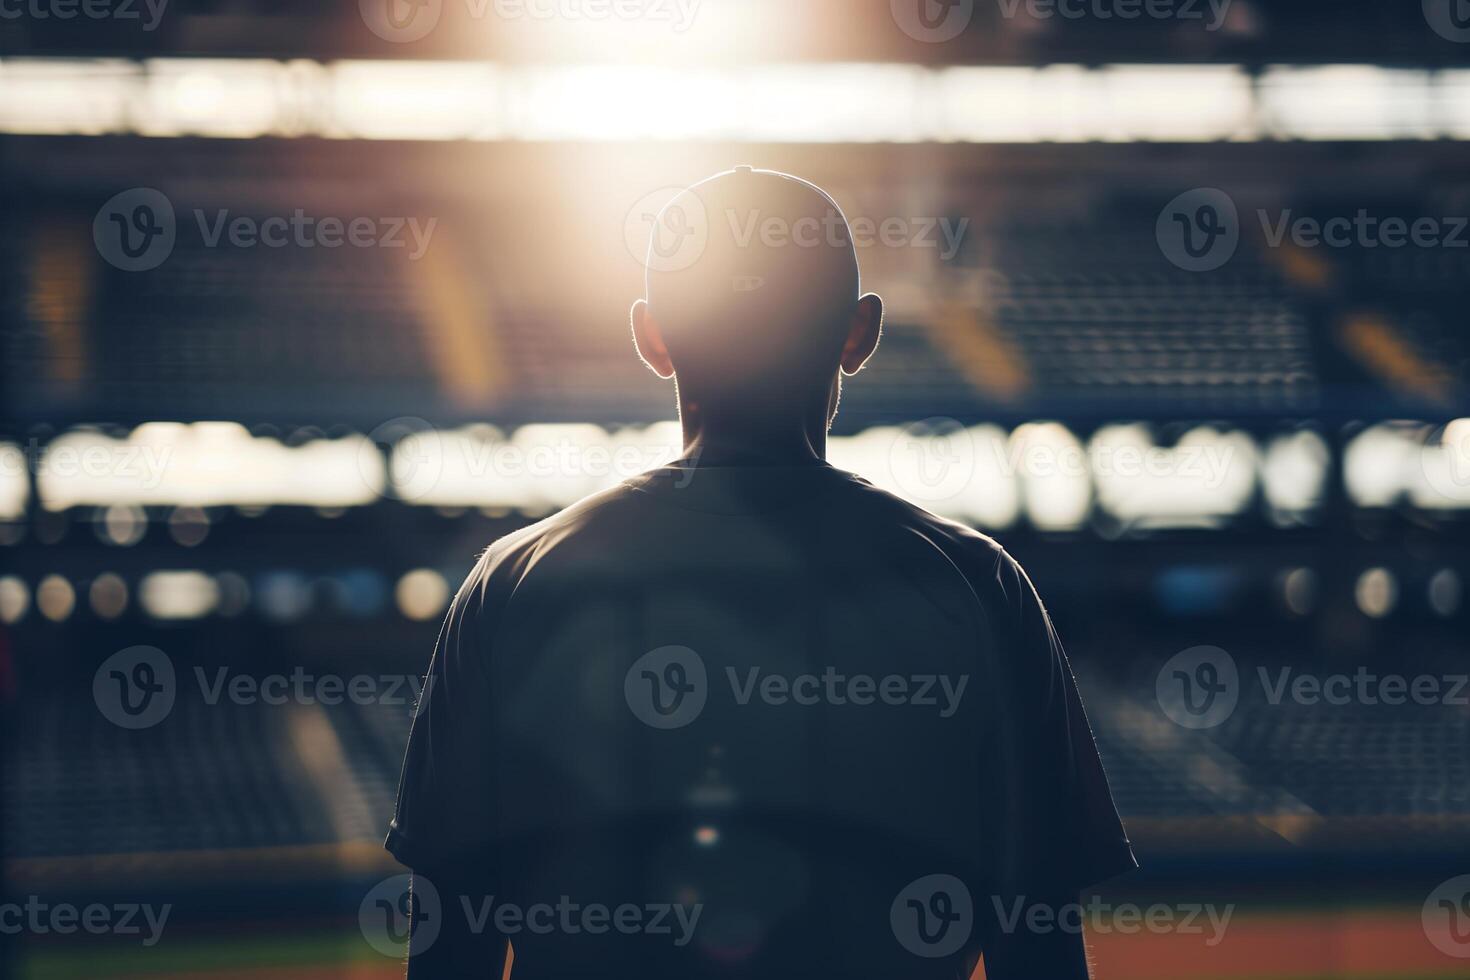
(747, 716)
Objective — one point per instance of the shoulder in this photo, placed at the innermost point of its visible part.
(996, 576)
(977, 549)
(509, 559)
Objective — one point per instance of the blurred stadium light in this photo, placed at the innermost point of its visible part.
(183, 594)
(980, 474)
(1397, 462)
(1294, 472)
(15, 483)
(206, 464)
(1207, 475)
(804, 103)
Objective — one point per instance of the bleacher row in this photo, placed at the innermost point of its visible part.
(228, 777)
(1094, 315)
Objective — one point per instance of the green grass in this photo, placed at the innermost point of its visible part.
(93, 960)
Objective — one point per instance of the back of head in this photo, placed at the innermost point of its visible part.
(752, 278)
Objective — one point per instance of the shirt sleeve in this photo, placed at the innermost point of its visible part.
(1053, 826)
(444, 814)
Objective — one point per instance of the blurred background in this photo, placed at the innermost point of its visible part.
(304, 304)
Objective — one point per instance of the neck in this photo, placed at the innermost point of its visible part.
(757, 438)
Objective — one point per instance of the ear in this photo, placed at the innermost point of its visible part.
(863, 333)
(648, 340)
